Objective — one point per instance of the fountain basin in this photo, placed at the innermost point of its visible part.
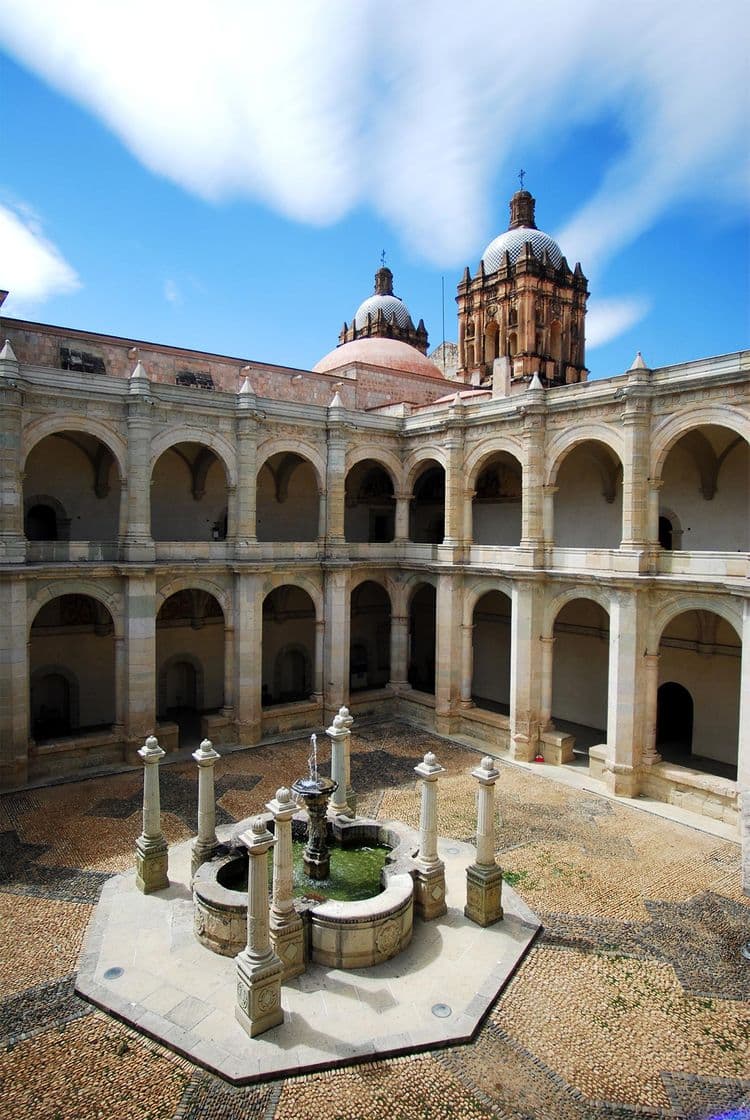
(338, 934)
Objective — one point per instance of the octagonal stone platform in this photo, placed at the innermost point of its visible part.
(141, 963)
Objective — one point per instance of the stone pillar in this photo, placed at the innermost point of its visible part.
(337, 601)
(743, 749)
(286, 932)
(138, 544)
(151, 854)
(12, 540)
(14, 683)
(625, 687)
(467, 664)
(453, 442)
(403, 502)
(636, 421)
(650, 756)
(206, 845)
(351, 797)
(140, 645)
(525, 678)
(534, 436)
(244, 529)
(259, 970)
(448, 610)
(339, 735)
(335, 483)
(484, 879)
(248, 655)
(429, 870)
(399, 652)
(227, 708)
(320, 658)
(548, 505)
(547, 659)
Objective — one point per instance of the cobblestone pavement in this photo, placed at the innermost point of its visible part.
(633, 1003)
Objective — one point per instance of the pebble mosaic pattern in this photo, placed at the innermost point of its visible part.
(634, 1003)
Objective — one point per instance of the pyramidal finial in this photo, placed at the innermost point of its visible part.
(535, 383)
(246, 387)
(139, 373)
(337, 401)
(7, 354)
(638, 362)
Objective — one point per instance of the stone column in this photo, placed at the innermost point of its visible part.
(337, 601)
(140, 645)
(151, 854)
(547, 650)
(12, 540)
(743, 749)
(403, 502)
(139, 545)
(636, 421)
(429, 870)
(484, 879)
(453, 442)
(650, 756)
(14, 683)
(206, 845)
(227, 708)
(467, 664)
(244, 529)
(339, 735)
(320, 656)
(625, 687)
(534, 436)
(335, 482)
(525, 681)
(351, 798)
(286, 932)
(399, 652)
(448, 612)
(548, 505)
(259, 970)
(248, 655)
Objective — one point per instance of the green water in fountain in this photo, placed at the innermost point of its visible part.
(354, 874)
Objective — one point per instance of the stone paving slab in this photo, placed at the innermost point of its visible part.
(175, 990)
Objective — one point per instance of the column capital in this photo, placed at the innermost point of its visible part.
(429, 768)
(205, 755)
(257, 839)
(283, 806)
(151, 752)
(486, 773)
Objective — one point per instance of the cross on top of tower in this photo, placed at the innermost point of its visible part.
(521, 177)
(382, 259)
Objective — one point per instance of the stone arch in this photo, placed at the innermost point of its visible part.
(222, 448)
(482, 454)
(38, 598)
(664, 613)
(566, 441)
(42, 672)
(588, 492)
(289, 646)
(370, 615)
(418, 460)
(384, 458)
(303, 582)
(491, 643)
(369, 503)
(38, 430)
(553, 608)
(61, 515)
(200, 583)
(362, 576)
(666, 434)
(422, 655)
(476, 590)
(576, 697)
(163, 677)
(303, 450)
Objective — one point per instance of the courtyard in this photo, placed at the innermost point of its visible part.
(633, 1001)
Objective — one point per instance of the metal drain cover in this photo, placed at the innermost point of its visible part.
(441, 1010)
(113, 973)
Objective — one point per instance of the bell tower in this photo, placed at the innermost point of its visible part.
(524, 303)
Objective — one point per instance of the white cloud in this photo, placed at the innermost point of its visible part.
(172, 293)
(31, 267)
(607, 319)
(318, 106)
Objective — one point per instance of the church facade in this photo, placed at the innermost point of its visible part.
(196, 545)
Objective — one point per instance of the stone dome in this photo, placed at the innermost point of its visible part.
(390, 305)
(512, 243)
(387, 353)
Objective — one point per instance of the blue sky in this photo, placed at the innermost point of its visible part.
(225, 177)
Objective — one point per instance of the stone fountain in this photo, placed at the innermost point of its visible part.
(315, 792)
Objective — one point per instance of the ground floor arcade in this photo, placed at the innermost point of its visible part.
(646, 679)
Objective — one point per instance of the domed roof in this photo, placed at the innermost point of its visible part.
(388, 353)
(512, 243)
(390, 305)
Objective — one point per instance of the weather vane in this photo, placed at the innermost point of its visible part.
(521, 177)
